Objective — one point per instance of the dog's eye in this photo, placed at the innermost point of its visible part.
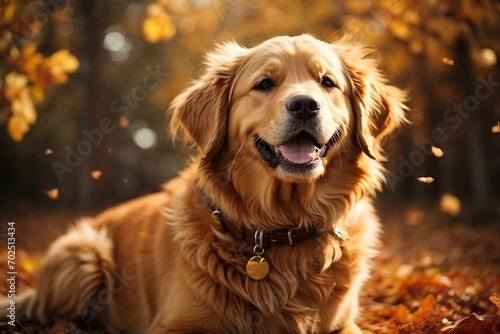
(265, 84)
(328, 82)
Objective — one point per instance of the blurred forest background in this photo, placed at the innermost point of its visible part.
(85, 85)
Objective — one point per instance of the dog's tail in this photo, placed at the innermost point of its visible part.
(76, 267)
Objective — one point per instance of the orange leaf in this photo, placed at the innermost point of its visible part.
(426, 308)
(496, 128)
(401, 314)
(124, 122)
(96, 174)
(495, 299)
(17, 126)
(53, 193)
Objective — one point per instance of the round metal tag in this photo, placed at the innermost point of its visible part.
(257, 268)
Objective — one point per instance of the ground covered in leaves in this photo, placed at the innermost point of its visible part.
(433, 275)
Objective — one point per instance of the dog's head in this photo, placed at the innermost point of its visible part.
(292, 103)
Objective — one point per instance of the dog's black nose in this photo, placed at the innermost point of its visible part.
(302, 107)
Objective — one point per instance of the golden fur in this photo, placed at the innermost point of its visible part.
(161, 264)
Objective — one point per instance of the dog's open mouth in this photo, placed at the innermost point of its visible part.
(302, 150)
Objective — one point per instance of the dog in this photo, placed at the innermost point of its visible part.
(271, 227)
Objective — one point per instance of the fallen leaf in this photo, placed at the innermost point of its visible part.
(53, 193)
(438, 153)
(401, 314)
(495, 299)
(425, 179)
(426, 309)
(473, 324)
(96, 174)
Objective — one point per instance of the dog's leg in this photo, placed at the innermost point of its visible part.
(76, 266)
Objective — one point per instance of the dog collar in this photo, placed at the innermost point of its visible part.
(262, 238)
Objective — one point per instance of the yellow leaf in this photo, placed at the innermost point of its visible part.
(14, 83)
(158, 28)
(17, 126)
(400, 29)
(65, 60)
(53, 193)
(438, 153)
(23, 106)
(30, 265)
(450, 204)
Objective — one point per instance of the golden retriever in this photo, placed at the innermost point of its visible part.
(270, 229)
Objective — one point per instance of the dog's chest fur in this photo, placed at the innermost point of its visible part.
(302, 292)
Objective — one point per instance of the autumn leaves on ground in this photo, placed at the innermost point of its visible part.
(433, 275)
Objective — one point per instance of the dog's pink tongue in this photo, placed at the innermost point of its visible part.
(300, 150)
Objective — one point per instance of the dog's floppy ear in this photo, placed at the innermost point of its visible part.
(201, 110)
(379, 107)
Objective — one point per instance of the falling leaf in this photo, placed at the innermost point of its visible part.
(450, 204)
(400, 29)
(438, 153)
(124, 122)
(96, 174)
(448, 61)
(125, 181)
(488, 57)
(48, 151)
(496, 128)
(53, 193)
(425, 179)
(495, 299)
